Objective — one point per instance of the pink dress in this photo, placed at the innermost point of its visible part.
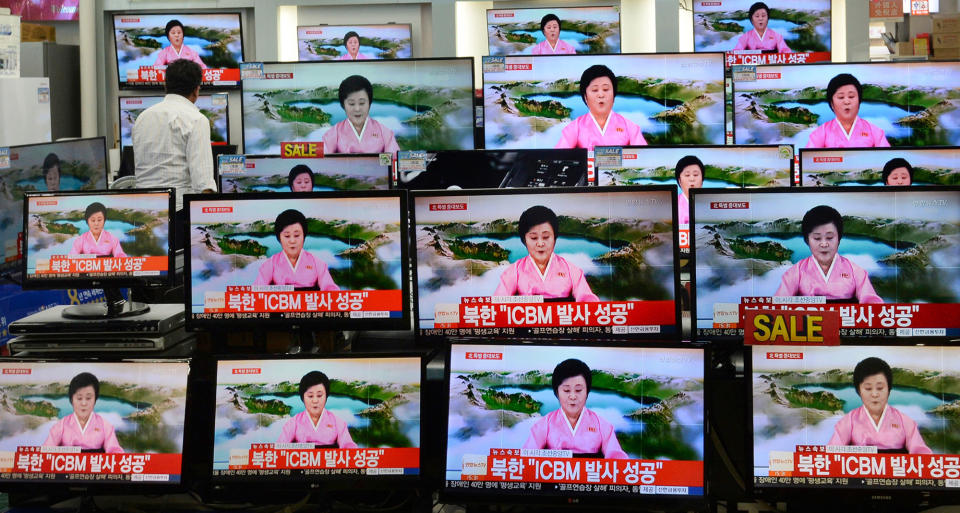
(374, 138)
(584, 132)
(562, 279)
(896, 431)
(108, 245)
(168, 55)
(845, 280)
(832, 135)
(329, 431)
(544, 48)
(771, 40)
(592, 435)
(360, 57)
(98, 434)
(309, 272)
(683, 209)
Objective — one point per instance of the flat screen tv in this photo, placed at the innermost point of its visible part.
(271, 173)
(578, 30)
(492, 169)
(826, 167)
(330, 43)
(213, 106)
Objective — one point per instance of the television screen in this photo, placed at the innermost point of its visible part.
(535, 101)
(317, 419)
(79, 164)
(328, 43)
(89, 423)
(884, 258)
(591, 262)
(902, 104)
(325, 259)
(263, 173)
(785, 33)
(98, 238)
(572, 30)
(43, 10)
(492, 169)
(880, 166)
(417, 104)
(147, 43)
(871, 417)
(213, 106)
(574, 421)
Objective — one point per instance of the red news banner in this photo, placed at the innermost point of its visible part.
(816, 461)
(488, 312)
(61, 264)
(755, 57)
(147, 74)
(34, 460)
(512, 465)
(269, 457)
(245, 298)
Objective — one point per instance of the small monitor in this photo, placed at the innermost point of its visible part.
(271, 173)
(318, 421)
(366, 42)
(555, 262)
(147, 43)
(535, 101)
(493, 169)
(573, 30)
(882, 257)
(92, 424)
(213, 106)
(825, 167)
(325, 260)
(79, 164)
(416, 104)
(898, 104)
(572, 424)
(781, 33)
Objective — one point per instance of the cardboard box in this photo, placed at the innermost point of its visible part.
(34, 33)
(946, 54)
(946, 23)
(946, 41)
(903, 48)
(920, 46)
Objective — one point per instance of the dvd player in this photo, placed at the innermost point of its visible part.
(132, 343)
(161, 319)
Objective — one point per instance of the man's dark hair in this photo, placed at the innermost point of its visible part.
(170, 25)
(297, 170)
(183, 77)
(839, 81)
(594, 72)
(894, 164)
(547, 19)
(288, 217)
(352, 84)
(868, 367)
(312, 379)
(93, 208)
(570, 368)
(688, 160)
(537, 215)
(819, 215)
(83, 380)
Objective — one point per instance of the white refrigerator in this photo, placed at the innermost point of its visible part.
(24, 111)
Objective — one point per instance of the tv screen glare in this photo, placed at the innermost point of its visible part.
(213, 106)
(80, 164)
(813, 425)
(492, 169)
(317, 419)
(883, 257)
(271, 173)
(417, 104)
(336, 259)
(327, 43)
(826, 167)
(116, 237)
(785, 33)
(592, 262)
(145, 47)
(535, 101)
(910, 102)
(92, 423)
(569, 422)
(594, 30)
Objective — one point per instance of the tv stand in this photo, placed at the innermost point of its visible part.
(113, 306)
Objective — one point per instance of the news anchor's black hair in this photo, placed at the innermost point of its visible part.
(311, 379)
(352, 84)
(570, 368)
(594, 72)
(348, 35)
(819, 215)
(298, 170)
(537, 215)
(288, 217)
(547, 19)
(688, 160)
(894, 164)
(183, 76)
(868, 367)
(839, 81)
(93, 208)
(83, 380)
(757, 6)
(170, 25)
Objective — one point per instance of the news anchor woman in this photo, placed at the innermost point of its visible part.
(601, 126)
(689, 174)
(294, 265)
(300, 178)
(550, 27)
(51, 172)
(96, 240)
(574, 427)
(897, 172)
(542, 272)
(876, 423)
(358, 133)
(316, 424)
(177, 49)
(84, 428)
(824, 272)
(846, 130)
(351, 41)
(761, 37)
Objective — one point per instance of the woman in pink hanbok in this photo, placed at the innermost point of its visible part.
(876, 423)
(176, 50)
(574, 427)
(824, 272)
(84, 428)
(359, 133)
(294, 266)
(689, 174)
(542, 272)
(601, 126)
(316, 424)
(550, 26)
(97, 241)
(761, 37)
(847, 130)
(351, 41)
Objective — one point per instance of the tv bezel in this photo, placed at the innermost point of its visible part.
(615, 8)
(905, 149)
(387, 169)
(366, 323)
(339, 25)
(395, 183)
